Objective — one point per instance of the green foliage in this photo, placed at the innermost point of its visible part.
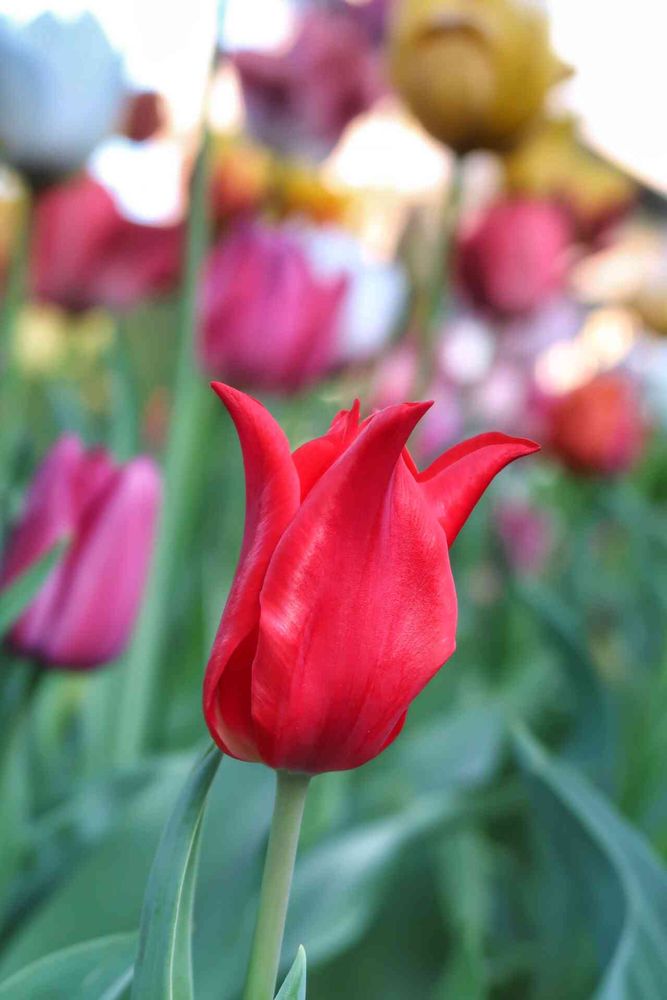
(294, 987)
(164, 964)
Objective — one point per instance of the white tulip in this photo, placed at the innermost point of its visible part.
(61, 92)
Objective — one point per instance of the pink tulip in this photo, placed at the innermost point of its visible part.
(301, 100)
(84, 613)
(85, 253)
(515, 257)
(266, 320)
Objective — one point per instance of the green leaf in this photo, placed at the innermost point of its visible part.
(164, 962)
(99, 889)
(613, 870)
(294, 987)
(15, 598)
(95, 970)
(339, 884)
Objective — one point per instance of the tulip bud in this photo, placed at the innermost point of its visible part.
(282, 307)
(85, 253)
(85, 611)
(474, 74)
(514, 258)
(343, 606)
(598, 428)
(265, 318)
(61, 91)
(551, 163)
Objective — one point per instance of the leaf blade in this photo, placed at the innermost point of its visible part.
(164, 964)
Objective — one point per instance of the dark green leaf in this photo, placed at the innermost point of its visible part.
(95, 970)
(614, 872)
(164, 962)
(294, 987)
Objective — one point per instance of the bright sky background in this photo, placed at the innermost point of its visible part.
(617, 48)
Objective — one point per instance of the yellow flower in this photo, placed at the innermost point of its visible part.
(552, 163)
(474, 72)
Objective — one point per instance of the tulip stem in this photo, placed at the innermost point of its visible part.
(10, 391)
(439, 296)
(183, 463)
(291, 791)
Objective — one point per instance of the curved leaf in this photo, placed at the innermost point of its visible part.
(164, 962)
(610, 865)
(294, 987)
(95, 970)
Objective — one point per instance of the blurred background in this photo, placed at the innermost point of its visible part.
(316, 201)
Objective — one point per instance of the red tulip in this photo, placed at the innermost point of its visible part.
(599, 427)
(85, 253)
(514, 259)
(301, 100)
(266, 319)
(343, 605)
(84, 613)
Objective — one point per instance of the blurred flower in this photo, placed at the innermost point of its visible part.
(344, 561)
(376, 290)
(85, 253)
(552, 163)
(599, 427)
(515, 257)
(61, 92)
(527, 535)
(284, 306)
(144, 115)
(299, 189)
(474, 74)
(266, 319)
(241, 176)
(302, 99)
(85, 611)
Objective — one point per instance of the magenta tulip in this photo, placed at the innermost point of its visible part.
(105, 514)
(266, 320)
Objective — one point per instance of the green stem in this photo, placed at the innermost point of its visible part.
(291, 791)
(439, 296)
(10, 382)
(185, 447)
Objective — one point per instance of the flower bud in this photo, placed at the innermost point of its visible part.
(474, 74)
(343, 605)
(515, 257)
(598, 428)
(84, 613)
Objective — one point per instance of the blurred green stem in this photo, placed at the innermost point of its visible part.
(123, 436)
(10, 383)
(186, 448)
(439, 294)
(267, 943)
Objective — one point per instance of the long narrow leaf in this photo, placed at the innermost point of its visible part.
(164, 963)
(95, 970)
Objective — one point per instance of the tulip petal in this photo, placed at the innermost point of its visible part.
(101, 578)
(49, 516)
(454, 483)
(358, 608)
(272, 498)
(313, 458)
